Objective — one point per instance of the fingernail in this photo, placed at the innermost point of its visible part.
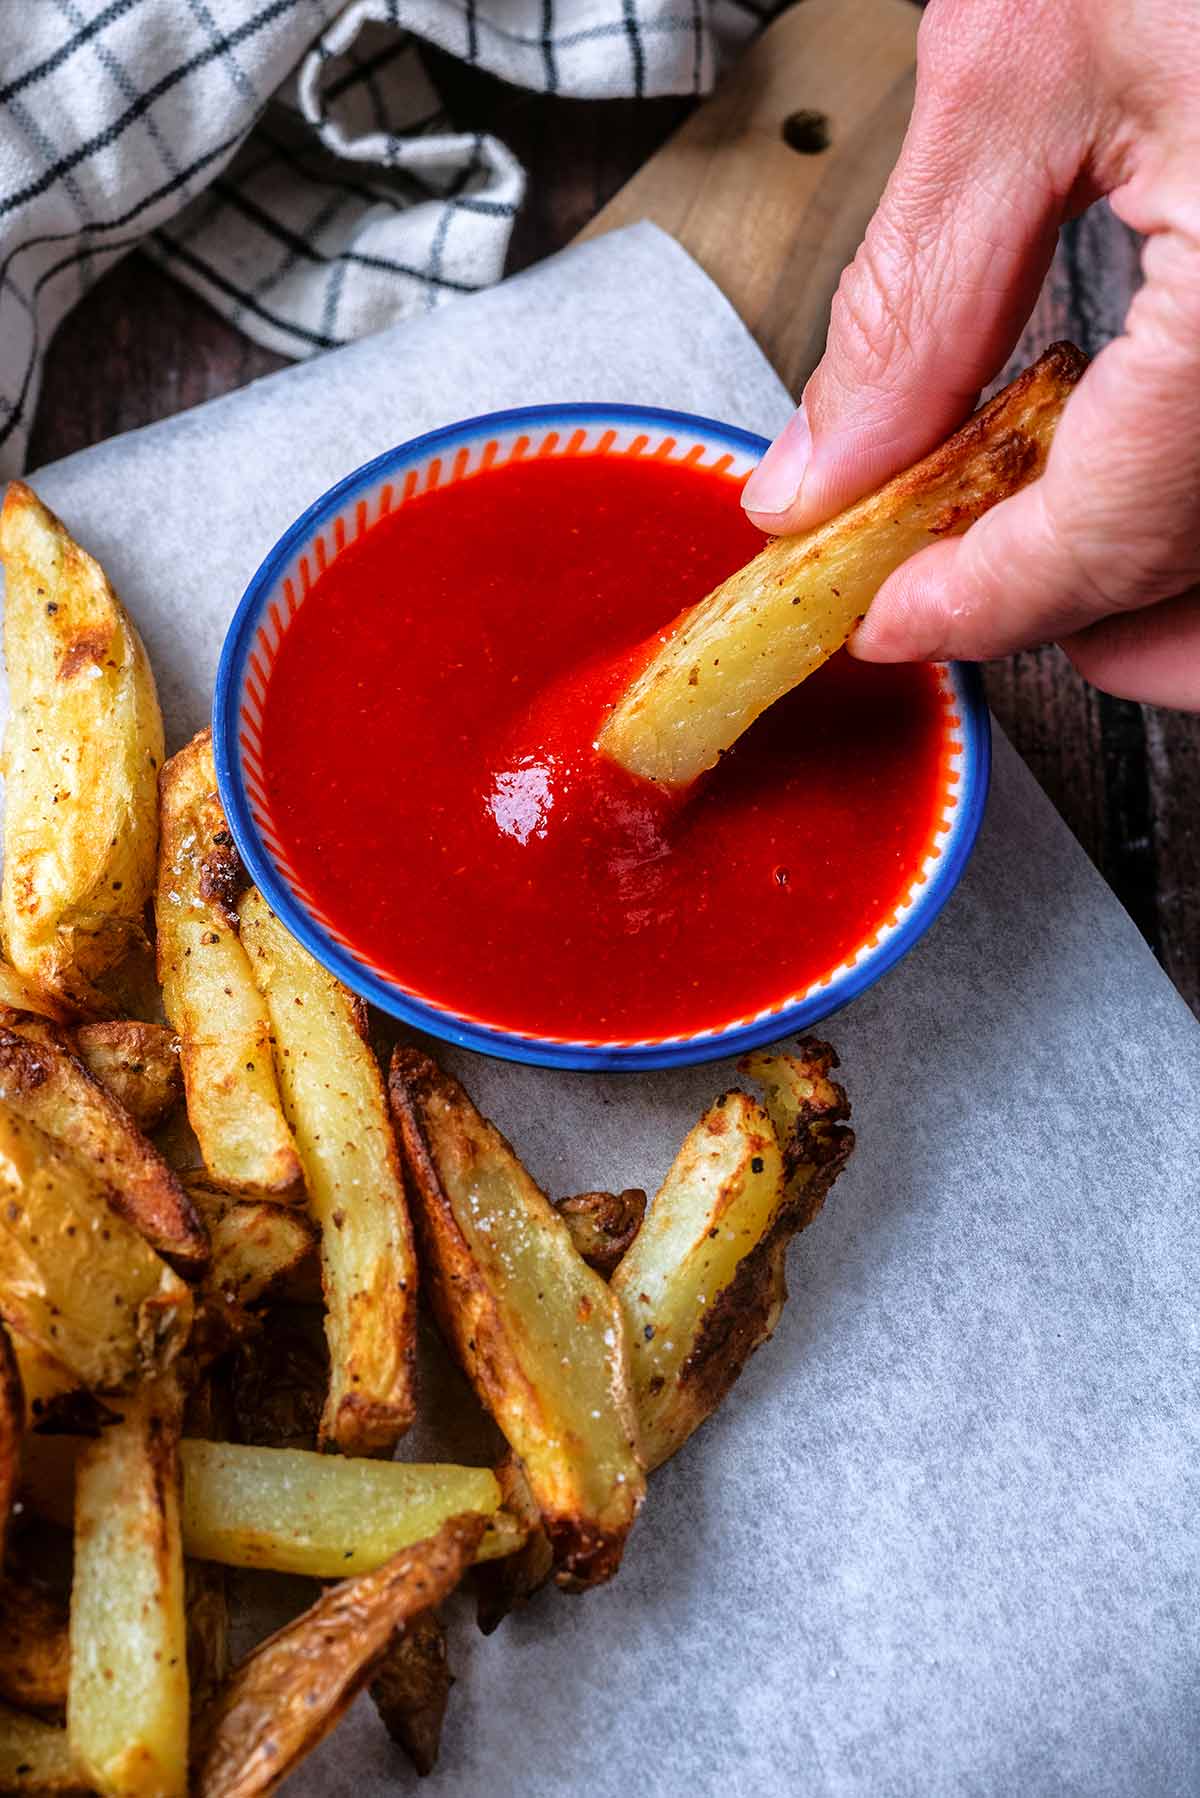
(774, 484)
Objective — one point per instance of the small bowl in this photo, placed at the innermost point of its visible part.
(280, 587)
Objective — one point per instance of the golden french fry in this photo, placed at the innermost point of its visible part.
(137, 1063)
(703, 1284)
(603, 1224)
(808, 1111)
(326, 1515)
(335, 1103)
(767, 627)
(127, 1693)
(34, 1650)
(256, 1245)
(35, 1756)
(84, 747)
(679, 1282)
(208, 993)
(43, 1081)
(411, 1688)
(75, 1278)
(286, 1696)
(538, 1332)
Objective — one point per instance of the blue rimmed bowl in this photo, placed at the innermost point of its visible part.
(459, 452)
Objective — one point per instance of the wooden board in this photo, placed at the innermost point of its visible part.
(774, 225)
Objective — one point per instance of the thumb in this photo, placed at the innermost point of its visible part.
(935, 300)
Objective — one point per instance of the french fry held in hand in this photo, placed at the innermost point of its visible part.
(84, 747)
(127, 1692)
(767, 627)
(75, 1278)
(537, 1331)
(43, 1081)
(327, 1515)
(335, 1102)
(288, 1694)
(703, 1284)
(208, 993)
(138, 1064)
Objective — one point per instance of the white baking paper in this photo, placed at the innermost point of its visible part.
(945, 1535)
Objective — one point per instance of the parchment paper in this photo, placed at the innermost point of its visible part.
(945, 1536)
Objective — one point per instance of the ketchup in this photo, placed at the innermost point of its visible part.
(428, 739)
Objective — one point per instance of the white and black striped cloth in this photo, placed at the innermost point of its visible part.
(288, 159)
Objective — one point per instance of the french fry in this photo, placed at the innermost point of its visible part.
(34, 1650)
(42, 1081)
(18, 995)
(411, 1689)
(603, 1224)
(537, 1331)
(75, 1278)
(127, 1694)
(335, 1103)
(808, 1111)
(326, 1515)
(256, 1245)
(208, 993)
(84, 747)
(286, 1696)
(35, 1756)
(508, 1583)
(137, 1063)
(767, 627)
(703, 1284)
(12, 1429)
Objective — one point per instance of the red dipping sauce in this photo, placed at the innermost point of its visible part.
(427, 747)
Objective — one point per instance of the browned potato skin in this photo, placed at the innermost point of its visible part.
(287, 1695)
(137, 1064)
(411, 1689)
(603, 1224)
(35, 1653)
(42, 1080)
(508, 1583)
(12, 1429)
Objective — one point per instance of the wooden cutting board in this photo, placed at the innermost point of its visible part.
(771, 182)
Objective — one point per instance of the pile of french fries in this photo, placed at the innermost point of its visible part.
(219, 1229)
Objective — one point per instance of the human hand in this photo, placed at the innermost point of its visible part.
(1026, 111)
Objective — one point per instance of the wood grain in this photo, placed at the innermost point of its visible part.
(1126, 778)
(771, 183)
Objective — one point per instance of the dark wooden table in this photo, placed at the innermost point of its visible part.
(1125, 777)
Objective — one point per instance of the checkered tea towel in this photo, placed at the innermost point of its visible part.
(288, 159)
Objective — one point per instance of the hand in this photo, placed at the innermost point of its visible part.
(1026, 111)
